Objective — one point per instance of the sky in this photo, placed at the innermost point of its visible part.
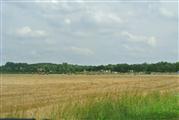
(89, 33)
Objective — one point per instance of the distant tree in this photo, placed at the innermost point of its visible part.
(66, 68)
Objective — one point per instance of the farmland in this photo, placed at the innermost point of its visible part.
(32, 95)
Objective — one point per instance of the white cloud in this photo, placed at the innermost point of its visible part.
(166, 12)
(48, 1)
(169, 10)
(152, 41)
(33, 52)
(24, 30)
(133, 49)
(29, 32)
(54, 1)
(105, 17)
(67, 21)
(80, 51)
(132, 37)
(139, 38)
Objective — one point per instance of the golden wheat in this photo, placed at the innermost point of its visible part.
(37, 95)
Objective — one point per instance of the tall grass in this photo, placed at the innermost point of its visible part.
(128, 106)
(116, 106)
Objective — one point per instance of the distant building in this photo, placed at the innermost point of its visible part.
(131, 71)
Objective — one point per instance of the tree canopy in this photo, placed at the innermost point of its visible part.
(65, 68)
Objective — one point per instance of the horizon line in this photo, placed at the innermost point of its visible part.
(88, 64)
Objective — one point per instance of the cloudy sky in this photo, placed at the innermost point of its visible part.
(89, 32)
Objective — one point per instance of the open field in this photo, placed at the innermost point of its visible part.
(38, 95)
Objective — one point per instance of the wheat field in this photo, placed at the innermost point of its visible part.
(32, 95)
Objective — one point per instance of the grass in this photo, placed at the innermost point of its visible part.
(153, 106)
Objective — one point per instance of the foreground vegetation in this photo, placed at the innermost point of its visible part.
(124, 106)
(128, 106)
(90, 97)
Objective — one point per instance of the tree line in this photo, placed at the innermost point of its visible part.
(65, 68)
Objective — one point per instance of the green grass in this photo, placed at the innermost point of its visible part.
(116, 106)
(153, 106)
